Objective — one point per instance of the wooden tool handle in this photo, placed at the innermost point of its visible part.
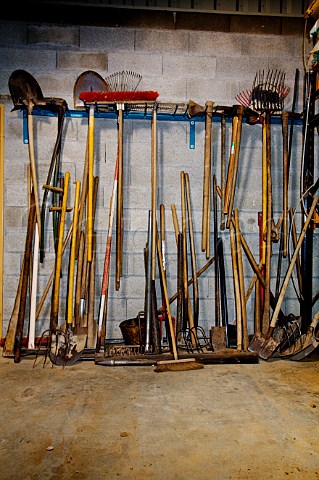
(240, 113)
(170, 320)
(34, 171)
(292, 263)
(241, 279)
(266, 311)
(236, 287)
(120, 192)
(193, 252)
(230, 170)
(25, 278)
(90, 182)
(284, 232)
(154, 187)
(72, 254)
(58, 261)
(207, 173)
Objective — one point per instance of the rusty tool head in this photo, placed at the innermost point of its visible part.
(24, 90)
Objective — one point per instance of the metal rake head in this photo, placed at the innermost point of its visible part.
(269, 91)
(267, 94)
(125, 81)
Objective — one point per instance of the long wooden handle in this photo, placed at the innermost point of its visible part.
(58, 261)
(34, 171)
(154, 187)
(72, 254)
(241, 278)
(25, 278)
(230, 170)
(240, 113)
(217, 277)
(163, 278)
(120, 192)
(193, 252)
(207, 173)
(34, 288)
(90, 182)
(292, 263)
(107, 260)
(284, 232)
(266, 311)
(294, 241)
(236, 287)
(222, 170)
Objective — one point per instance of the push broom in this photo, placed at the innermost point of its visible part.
(176, 364)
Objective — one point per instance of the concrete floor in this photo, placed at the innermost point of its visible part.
(86, 421)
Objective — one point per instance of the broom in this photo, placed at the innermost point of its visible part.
(176, 364)
(122, 88)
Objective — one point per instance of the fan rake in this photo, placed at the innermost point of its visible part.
(125, 81)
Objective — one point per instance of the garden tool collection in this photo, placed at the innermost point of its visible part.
(274, 335)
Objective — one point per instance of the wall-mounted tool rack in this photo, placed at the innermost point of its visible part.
(169, 112)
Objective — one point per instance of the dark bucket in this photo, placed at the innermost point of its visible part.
(133, 331)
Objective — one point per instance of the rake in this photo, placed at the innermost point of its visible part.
(124, 81)
(267, 94)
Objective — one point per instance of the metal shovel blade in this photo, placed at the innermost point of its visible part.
(256, 343)
(88, 81)
(304, 346)
(24, 90)
(218, 338)
(269, 347)
(66, 348)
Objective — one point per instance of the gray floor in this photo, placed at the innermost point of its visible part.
(86, 421)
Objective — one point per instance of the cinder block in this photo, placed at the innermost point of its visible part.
(31, 59)
(59, 84)
(136, 62)
(215, 44)
(12, 263)
(107, 39)
(268, 46)
(189, 65)
(81, 61)
(216, 90)
(161, 41)
(240, 68)
(13, 216)
(16, 195)
(53, 35)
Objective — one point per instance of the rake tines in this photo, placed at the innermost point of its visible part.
(125, 81)
(244, 98)
(269, 92)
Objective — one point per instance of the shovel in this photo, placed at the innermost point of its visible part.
(218, 332)
(88, 81)
(305, 345)
(26, 93)
(267, 345)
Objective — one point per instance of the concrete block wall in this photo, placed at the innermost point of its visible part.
(180, 64)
